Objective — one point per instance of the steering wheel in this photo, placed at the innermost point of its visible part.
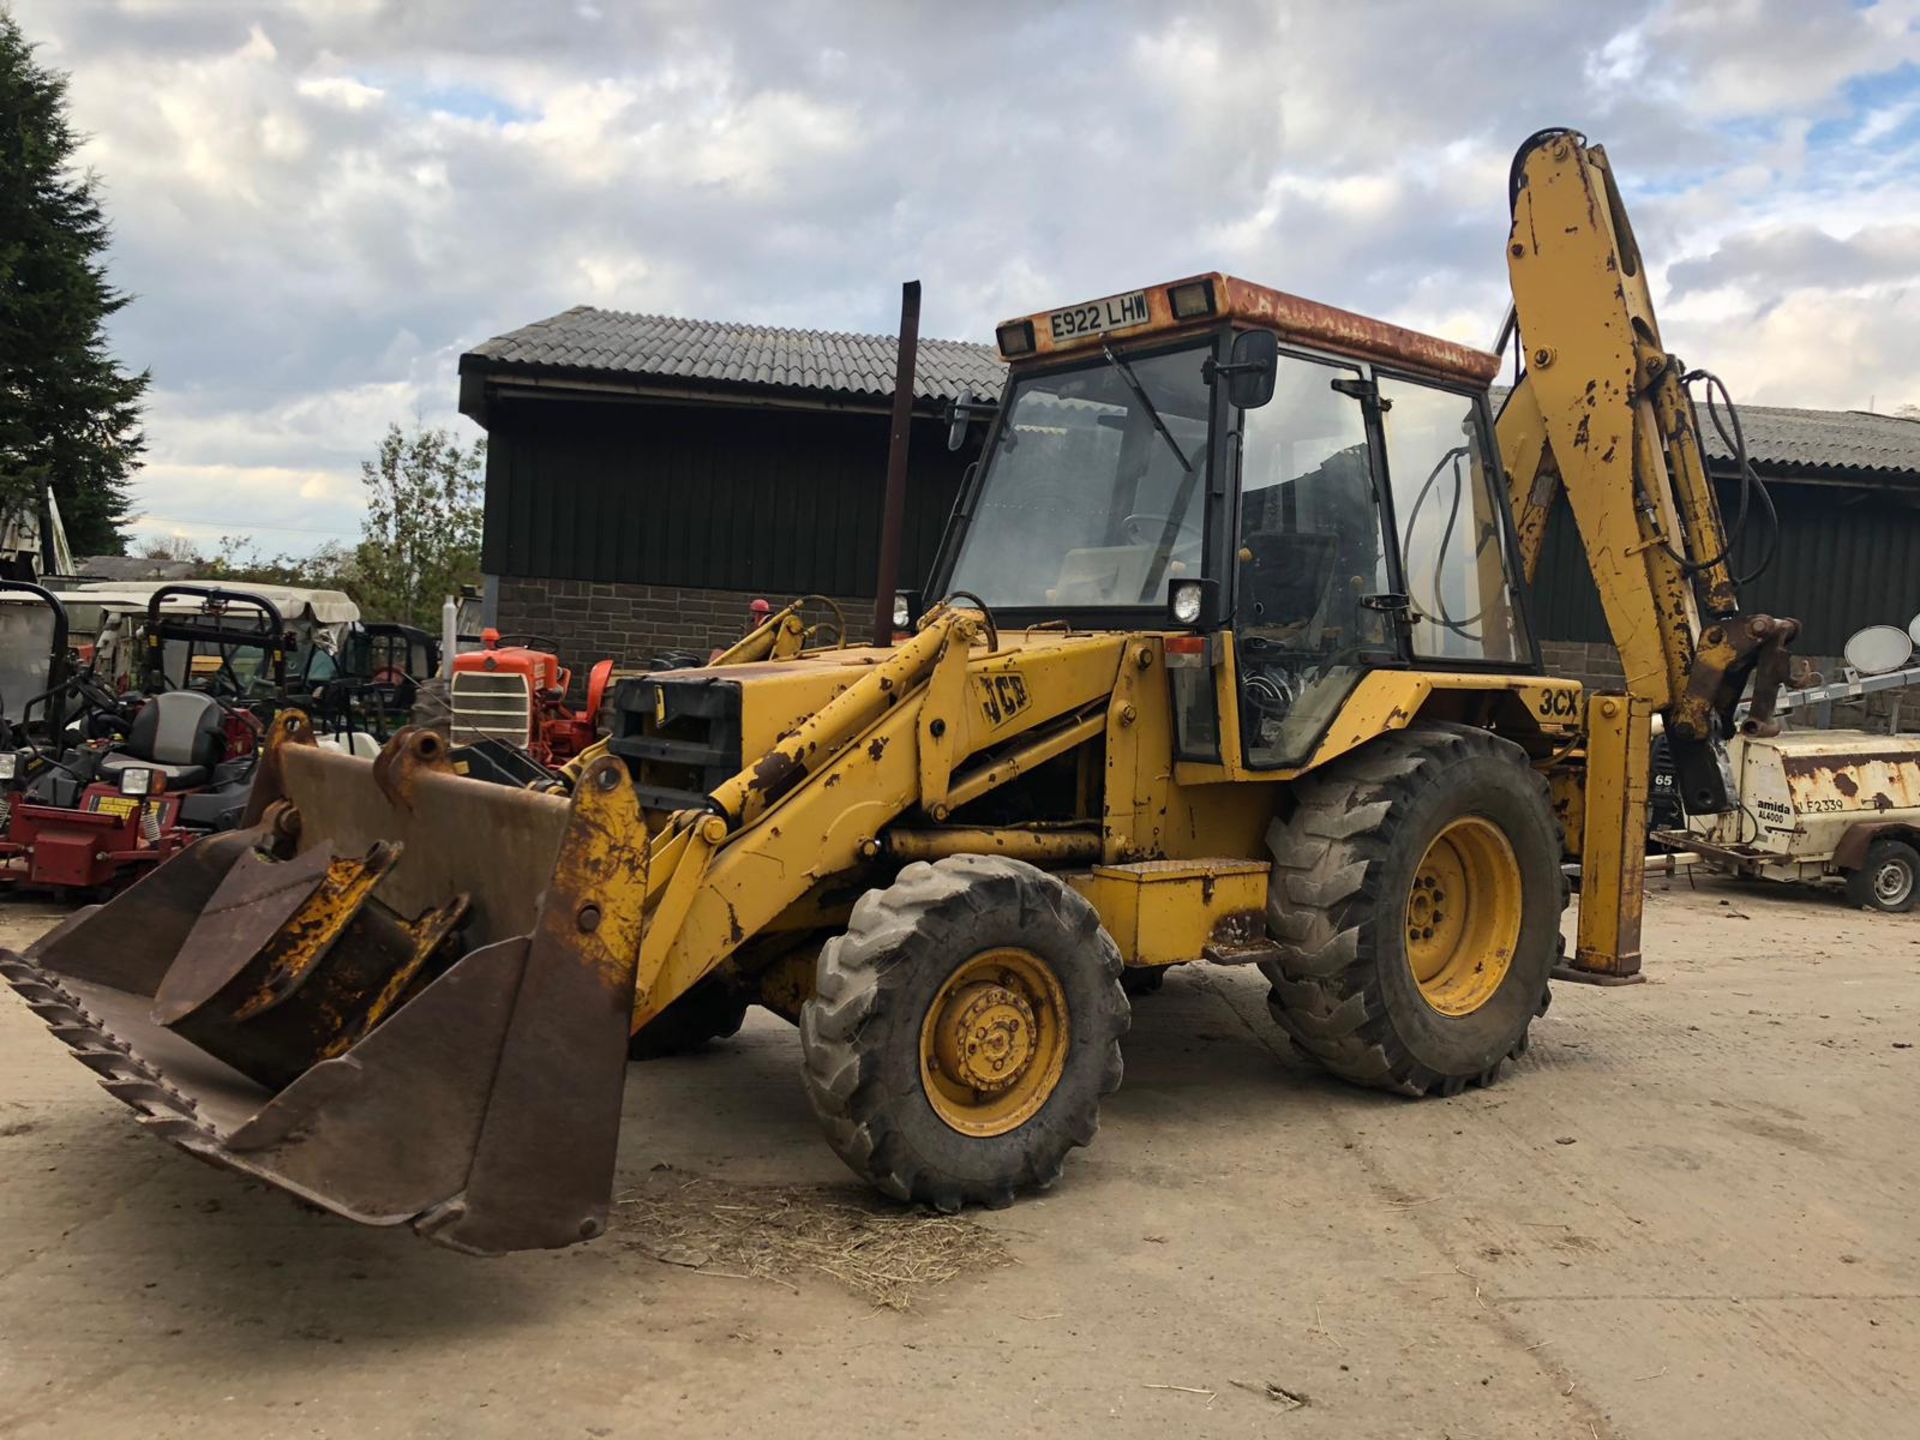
(1145, 528)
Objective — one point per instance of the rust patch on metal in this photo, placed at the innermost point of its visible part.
(877, 748)
(402, 759)
(774, 772)
(1342, 330)
(1847, 785)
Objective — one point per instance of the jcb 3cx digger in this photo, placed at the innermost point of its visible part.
(1231, 663)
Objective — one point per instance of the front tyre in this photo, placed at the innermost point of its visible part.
(1889, 879)
(963, 1031)
(1416, 895)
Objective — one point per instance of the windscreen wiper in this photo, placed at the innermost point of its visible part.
(1146, 403)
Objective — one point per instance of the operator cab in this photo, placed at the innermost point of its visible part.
(1306, 493)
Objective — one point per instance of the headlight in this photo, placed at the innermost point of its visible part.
(136, 781)
(9, 764)
(902, 612)
(1185, 601)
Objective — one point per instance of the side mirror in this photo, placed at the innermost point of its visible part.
(1256, 362)
(959, 415)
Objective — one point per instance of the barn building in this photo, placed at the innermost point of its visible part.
(648, 478)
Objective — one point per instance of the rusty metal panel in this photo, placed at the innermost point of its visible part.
(1328, 327)
(1307, 322)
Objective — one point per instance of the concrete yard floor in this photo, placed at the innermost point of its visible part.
(1690, 1211)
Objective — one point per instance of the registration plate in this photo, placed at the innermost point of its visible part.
(1116, 312)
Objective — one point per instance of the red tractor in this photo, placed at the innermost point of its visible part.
(516, 691)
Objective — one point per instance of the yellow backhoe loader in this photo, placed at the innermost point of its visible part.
(1230, 662)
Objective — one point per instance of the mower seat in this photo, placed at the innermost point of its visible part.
(177, 733)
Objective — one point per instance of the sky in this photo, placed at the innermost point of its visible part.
(319, 204)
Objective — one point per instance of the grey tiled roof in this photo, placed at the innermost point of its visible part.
(1826, 442)
(660, 348)
(1823, 440)
(716, 353)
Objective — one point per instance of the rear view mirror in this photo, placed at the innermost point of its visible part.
(962, 412)
(959, 414)
(1256, 361)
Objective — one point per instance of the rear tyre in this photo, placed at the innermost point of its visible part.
(1416, 894)
(711, 1010)
(963, 1031)
(1889, 880)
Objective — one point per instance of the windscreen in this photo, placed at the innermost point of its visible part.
(1092, 494)
(26, 655)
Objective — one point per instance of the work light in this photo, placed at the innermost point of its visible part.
(136, 780)
(1191, 300)
(1016, 339)
(9, 764)
(1184, 601)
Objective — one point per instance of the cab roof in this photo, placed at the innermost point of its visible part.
(294, 602)
(1206, 299)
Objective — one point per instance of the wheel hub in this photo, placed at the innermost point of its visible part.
(984, 1037)
(1891, 882)
(994, 1042)
(1463, 916)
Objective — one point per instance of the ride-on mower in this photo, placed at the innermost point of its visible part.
(1233, 666)
(112, 784)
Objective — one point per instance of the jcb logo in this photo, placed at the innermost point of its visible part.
(1559, 704)
(1002, 697)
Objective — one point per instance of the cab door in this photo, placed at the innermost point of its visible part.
(1315, 603)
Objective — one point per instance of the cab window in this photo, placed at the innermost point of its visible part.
(1452, 527)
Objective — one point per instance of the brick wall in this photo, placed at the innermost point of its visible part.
(1595, 665)
(589, 621)
(1598, 667)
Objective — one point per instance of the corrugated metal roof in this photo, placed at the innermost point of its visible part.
(1822, 440)
(717, 353)
(1783, 439)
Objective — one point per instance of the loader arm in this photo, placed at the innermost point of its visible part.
(1602, 414)
(362, 999)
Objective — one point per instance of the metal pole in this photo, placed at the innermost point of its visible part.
(893, 513)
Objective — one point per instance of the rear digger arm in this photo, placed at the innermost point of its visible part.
(1603, 415)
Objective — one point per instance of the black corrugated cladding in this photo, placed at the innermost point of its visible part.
(1849, 556)
(717, 497)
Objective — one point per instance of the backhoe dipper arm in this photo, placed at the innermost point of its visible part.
(1603, 414)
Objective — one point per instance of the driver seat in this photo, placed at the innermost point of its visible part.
(178, 733)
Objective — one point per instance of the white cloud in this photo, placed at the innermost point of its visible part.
(319, 203)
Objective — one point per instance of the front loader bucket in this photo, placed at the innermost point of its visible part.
(403, 995)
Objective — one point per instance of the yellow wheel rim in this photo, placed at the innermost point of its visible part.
(1463, 916)
(994, 1042)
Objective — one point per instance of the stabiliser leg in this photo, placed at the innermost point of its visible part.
(1613, 847)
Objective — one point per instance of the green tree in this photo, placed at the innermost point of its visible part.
(69, 415)
(328, 568)
(420, 540)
